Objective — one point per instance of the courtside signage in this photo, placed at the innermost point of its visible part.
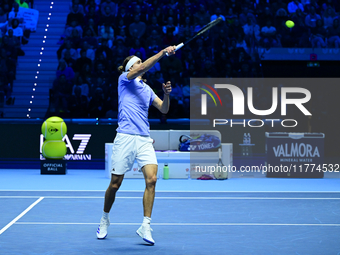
(74, 153)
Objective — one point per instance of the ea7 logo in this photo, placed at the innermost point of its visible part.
(238, 100)
(84, 138)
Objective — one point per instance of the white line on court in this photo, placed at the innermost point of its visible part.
(185, 224)
(20, 215)
(177, 191)
(186, 198)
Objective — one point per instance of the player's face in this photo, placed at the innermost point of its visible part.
(137, 65)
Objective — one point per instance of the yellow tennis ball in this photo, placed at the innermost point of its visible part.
(54, 149)
(54, 128)
(290, 23)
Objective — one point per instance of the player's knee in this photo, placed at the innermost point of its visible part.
(151, 181)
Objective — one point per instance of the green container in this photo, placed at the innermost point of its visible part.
(166, 172)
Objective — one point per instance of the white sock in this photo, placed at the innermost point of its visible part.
(106, 215)
(146, 220)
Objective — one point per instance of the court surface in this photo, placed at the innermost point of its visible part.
(189, 216)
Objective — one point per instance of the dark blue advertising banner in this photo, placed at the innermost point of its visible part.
(295, 155)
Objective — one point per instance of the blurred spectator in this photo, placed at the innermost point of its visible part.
(170, 26)
(218, 14)
(86, 73)
(169, 38)
(97, 106)
(90, 38)
(107, 33)
(311, 18)
(319, 34)
(3, 20)
(187, 25)
(171, 67)
(104, 49)
(107, 18)
(75, 39)
(276, 5)
(266, 15)
(73, 26)
(138, 47)
(83, 60)
(78, 105)
(75, 15)
(91, 3)
(82, 85)
(70, 49)
(7, 73)
(209, 70)
(241, 43)
(280, 16)
(153, 48)
(110, 4)
(94, 16)
(154, 37)
(119, 50)
(328, 17)
(202, 16)
(123, 15)
(235, 29)
(333, 34)
(63, 69)
(294, 5)
(138, 12)
(80, 6)
(14, 13)
(243, 17)
(101, 67)
(154, 25)
(17, 31)
(12, 45)
(90, 53)
(62, 88)
(268, 33)
(231, 16)
(70, 62)
(235, 5)
(137, 28)
(251, 31)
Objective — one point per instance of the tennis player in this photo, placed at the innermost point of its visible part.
(133, 136)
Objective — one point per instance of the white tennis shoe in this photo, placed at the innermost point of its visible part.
(102, 229)
(145, 232)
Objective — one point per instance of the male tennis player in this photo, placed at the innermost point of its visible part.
(132, 140)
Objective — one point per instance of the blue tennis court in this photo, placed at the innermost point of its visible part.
(184, 221)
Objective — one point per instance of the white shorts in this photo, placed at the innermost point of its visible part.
(127, 148)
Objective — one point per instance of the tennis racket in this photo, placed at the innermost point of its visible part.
(201, 31)
(221, 172)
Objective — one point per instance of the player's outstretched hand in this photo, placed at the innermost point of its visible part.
(170, 50)
(167, 88)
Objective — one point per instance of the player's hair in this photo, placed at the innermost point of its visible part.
(121, 68)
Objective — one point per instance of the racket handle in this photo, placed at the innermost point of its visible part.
(177, 47)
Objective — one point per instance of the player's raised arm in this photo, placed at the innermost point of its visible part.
(149, 63)
(163, 106)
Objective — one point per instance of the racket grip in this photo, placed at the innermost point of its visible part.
(177, 47)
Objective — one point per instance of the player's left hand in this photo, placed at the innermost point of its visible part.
(167, 88)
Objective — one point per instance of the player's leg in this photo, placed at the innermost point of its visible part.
(123, 156)
(110, 195)
(150, 175)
